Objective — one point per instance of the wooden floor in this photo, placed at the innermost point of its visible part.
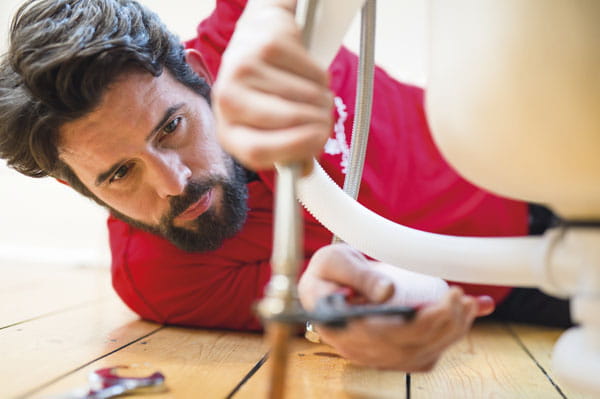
(57, 325)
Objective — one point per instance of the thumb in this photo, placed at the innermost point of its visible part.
(345, 266)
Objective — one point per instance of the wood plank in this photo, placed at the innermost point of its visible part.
(30, 291)
(38, 351)
(77, 325)
(489, 363)
(316, 371)
(196, 363)
(539, 342)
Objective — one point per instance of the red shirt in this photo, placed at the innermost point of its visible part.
(405, 179)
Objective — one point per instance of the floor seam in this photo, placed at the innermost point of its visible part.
(524, 347)
(249, 375)
(64, 375)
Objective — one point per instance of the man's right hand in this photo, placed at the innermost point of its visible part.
(271, 99)
(444, 316)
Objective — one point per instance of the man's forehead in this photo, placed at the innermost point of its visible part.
(132, 102)
(128, 110)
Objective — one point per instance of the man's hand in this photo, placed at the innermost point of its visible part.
(444, 317)
(271, 100)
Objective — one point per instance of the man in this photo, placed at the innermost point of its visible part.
(98, 94)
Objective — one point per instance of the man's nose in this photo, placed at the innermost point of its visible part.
(168, 174)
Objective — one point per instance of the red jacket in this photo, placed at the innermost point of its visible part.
(405, 179)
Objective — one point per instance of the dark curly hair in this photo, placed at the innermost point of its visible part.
(63, 55)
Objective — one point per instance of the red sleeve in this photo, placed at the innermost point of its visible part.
(215, 31)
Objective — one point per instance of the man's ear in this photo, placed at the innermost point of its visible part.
(195, 60)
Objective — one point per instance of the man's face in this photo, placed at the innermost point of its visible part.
(150, 153)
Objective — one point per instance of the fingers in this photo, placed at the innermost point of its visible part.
(413, 346)
(339, 265)
(435, 328)
(387, 342)
(274, 128)
(276, 67)
(445, 323)
(271, 99)
(258, 151)
(292, 87)
(348, 267)
(271, 113)
(381, 343)
(289, 54)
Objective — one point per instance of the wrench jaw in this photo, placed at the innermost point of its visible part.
(109, 376)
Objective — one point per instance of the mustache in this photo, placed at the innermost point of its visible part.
(192, 193)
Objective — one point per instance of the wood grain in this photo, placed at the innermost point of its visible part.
(57, 325)
(30, 291)
(41, 350)
(489, 363)
(196, 363)
(316, 371)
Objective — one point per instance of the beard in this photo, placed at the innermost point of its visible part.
(210, 229)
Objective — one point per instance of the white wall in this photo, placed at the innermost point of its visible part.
(42, 220)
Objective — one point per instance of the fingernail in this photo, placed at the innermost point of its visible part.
(485, 305)
(383, 290)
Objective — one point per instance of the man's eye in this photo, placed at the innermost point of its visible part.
(119, 174)
(172, 126)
